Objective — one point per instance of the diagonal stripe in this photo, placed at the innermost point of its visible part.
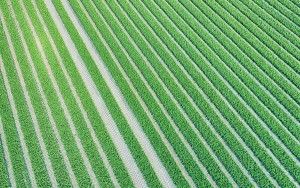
(177, 104)
(72, 176)
(16, 118)
(93, 134)
(34, 120)
(251, 110)
(191, 100)
(150, 93)
(171, 121)
(156, 126)
(128, 114)
(6, 152)
(116, 136)
(60, 97)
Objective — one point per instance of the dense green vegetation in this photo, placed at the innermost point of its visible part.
(214, 86)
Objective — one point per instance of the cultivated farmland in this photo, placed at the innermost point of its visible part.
(155, 93)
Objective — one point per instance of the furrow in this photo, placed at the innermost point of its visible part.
(275, 21)
(17, 121)
(265, 46)
(132, 121)
(91, 152)
(258, 58)
(65, 109)
(284, 121)
(87, 103)
(286, 11)
(270, 37)
(195, 86)
(194, 106)
(36, 124)
(296, 108)
(287, 111)
(171, 150)
(13, 142)
(131, 60)
(149, 93)
(85, 115)
(100, 104)
(38, 83)
(250, 69)
(180, 108)
(285, 45)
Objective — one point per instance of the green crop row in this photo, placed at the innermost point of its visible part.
(114, 72)
(60, 170)
(294, 149)
(277, 111)
(273, 89)
(252, 70)
(4, 181)
(4, 174)
(144, 120)
(87, 102)
(242, 59)
(283, 25)
(135, 148)
(4, 177)
(213, 85)
(153, 81)
(259, 40)
(270, 38)
(281, 44)
(250, 85)
(182, 44)
(285, 11)
(148, 20)
(173, 87)
(22, 108)
(95, 37)
(10, 132)
(74, 110)
(246, 62)
(80, 172)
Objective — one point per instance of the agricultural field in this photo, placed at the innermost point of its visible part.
(154, 93)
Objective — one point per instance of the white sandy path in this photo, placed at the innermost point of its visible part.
(121, 146)
(99, 102)
(142, 103)
(78, 100)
